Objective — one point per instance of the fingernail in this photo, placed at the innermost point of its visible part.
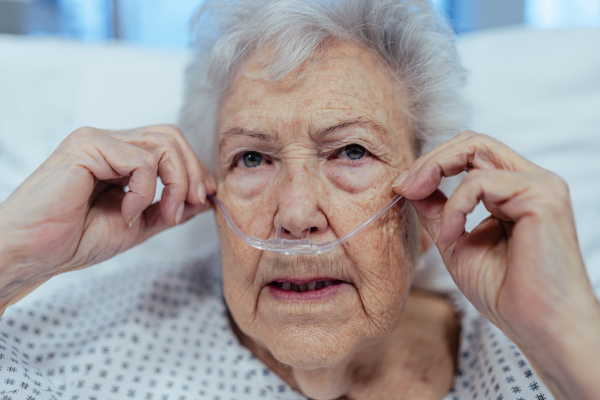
(134, 219)
(179, 214)
(201, 193)
(400, 180)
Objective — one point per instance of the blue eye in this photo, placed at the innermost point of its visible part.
(355, 152)
(252, 159)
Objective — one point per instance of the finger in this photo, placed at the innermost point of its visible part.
(111, 159)
(407, 176)
(199, 181)
(476, 151)
(430, 212)
(173, 175)
(172, 169)
(508, 195)
(197, 172)
(152, 220)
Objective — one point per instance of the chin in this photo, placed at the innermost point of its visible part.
(311, 348)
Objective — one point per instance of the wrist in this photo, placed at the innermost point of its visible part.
(14, 284)
(7, 254)
(7, 262)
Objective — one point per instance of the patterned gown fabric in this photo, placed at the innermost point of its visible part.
(162, 333)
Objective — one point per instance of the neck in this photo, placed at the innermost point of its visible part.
(417, 361)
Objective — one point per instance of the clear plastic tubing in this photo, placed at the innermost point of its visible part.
(303, 245)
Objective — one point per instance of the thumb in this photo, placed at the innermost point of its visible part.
(430, 211)
(152, 221)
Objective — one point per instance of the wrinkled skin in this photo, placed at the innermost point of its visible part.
(305, 180)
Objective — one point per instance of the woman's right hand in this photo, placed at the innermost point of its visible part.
(73, 212)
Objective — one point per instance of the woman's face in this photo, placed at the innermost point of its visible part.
(316, 154)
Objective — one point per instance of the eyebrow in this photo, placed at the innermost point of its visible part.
(248, 132)
(319, 134)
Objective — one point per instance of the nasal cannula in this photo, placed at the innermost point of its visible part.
(303, 245)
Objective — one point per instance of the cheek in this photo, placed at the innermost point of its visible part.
(239, 259)
(240, 263)
(247, 184)
(385, 256)
(368, 176)
(352, 179)
(246, 195)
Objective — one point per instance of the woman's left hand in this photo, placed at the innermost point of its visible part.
(521, 267)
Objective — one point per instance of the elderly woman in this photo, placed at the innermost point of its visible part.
(311, 117)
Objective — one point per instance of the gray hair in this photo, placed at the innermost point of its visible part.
(413, 39)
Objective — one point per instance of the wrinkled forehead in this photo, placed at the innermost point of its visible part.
(348, 82)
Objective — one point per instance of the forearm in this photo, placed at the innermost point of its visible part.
(7, 289)
(569, 361)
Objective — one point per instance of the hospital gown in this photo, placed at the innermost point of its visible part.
(162, 333)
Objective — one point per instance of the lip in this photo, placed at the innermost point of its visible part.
(325, 293)
(305, 281)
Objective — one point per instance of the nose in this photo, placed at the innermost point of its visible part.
(299, 209)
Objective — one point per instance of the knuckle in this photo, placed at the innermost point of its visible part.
(466, 134)
(174, 128)
(167, 141)
(142, 187)
(482, 142)
(482, 138)
(85, 130)
(559, 188)
(83, 133)
(552, 194)
(171, 129)
(79, 138)
(148, 161)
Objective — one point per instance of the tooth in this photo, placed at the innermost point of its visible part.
(295, 288)
(311, 285)
(327, 283)
(302, 288)
(319, 285)
(286, 286)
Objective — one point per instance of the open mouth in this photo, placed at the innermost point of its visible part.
(307, 287)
